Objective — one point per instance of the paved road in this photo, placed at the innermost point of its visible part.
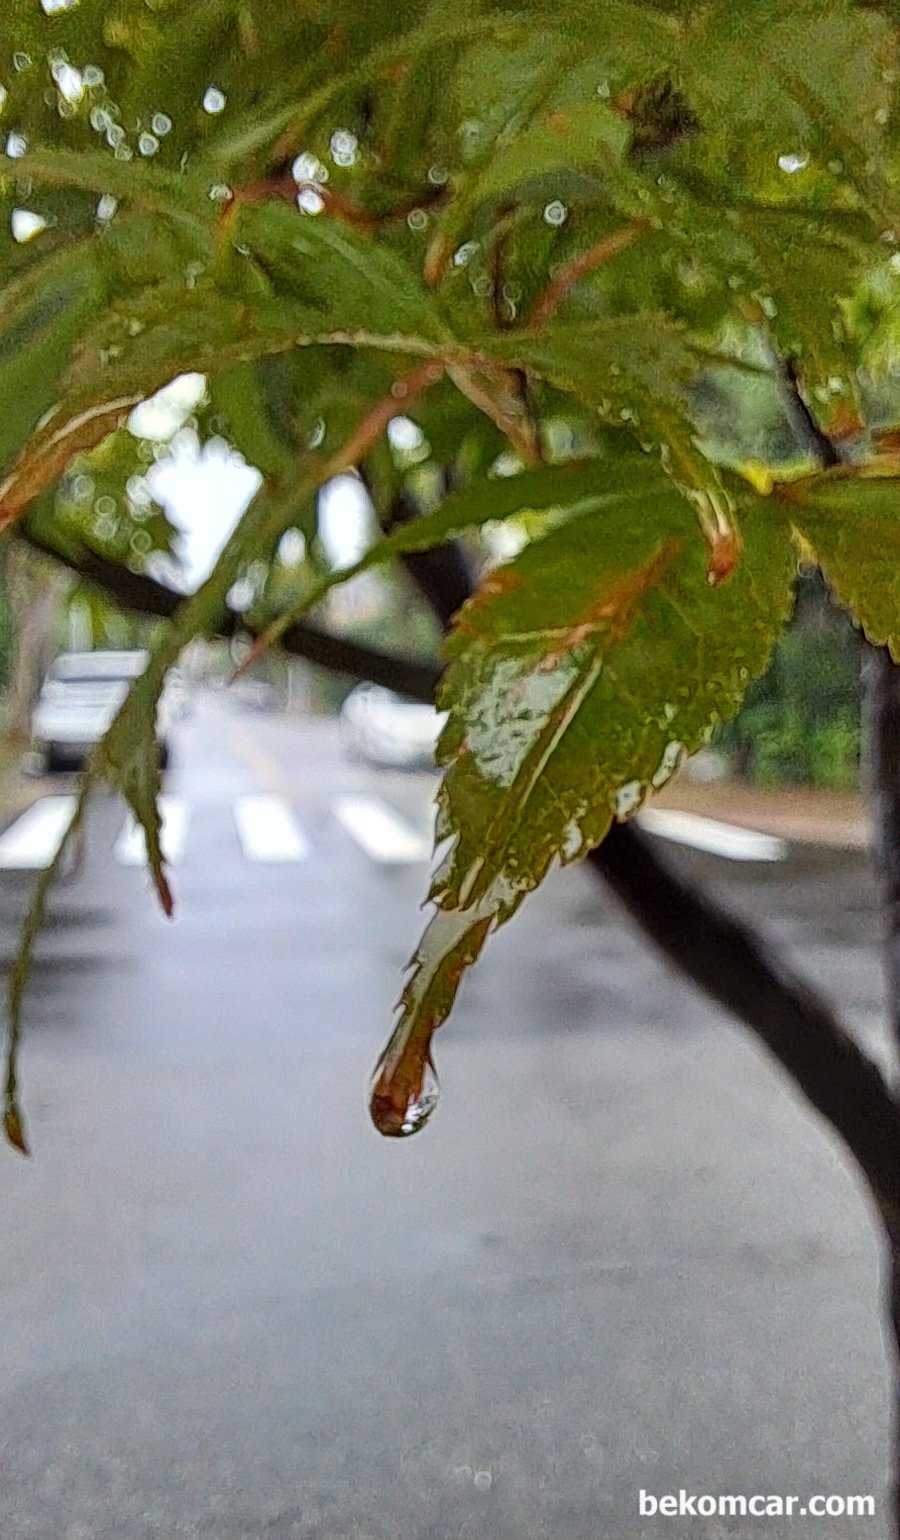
(622, 1256)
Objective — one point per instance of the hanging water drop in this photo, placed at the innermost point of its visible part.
(628, 797)
(400, 1108)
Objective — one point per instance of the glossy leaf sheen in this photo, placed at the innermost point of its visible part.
(579, 675)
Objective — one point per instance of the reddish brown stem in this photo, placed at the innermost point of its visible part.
(586, 262)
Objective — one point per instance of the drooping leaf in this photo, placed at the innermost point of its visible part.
(579, 675)
(13, 1119)
(849, 521)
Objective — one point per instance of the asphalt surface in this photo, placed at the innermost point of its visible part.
(622, 1255)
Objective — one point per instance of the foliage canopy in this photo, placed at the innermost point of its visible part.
(557, 237)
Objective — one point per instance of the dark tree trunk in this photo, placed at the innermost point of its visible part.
(881, 760)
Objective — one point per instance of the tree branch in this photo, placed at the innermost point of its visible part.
(722, 955)
(881, 677)
(143, 595)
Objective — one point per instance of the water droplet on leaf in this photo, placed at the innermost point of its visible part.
(309, 201)
(25, 225)
(69, 82)
(556, 213)
(213, 100)
(628, 798)
(343, 147)
(161, 124)
(792, 163)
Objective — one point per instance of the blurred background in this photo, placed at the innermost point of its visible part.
(622, 1256)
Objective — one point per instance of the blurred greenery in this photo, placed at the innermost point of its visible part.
(800, 724)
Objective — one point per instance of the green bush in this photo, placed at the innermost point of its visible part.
(801, 721)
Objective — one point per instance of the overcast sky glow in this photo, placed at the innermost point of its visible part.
(204, 489)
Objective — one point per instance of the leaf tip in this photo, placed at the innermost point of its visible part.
(723, 558)
(164, 893)
(14, 1129)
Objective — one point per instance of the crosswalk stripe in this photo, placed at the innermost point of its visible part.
(718, 839)
(130, 848)
(268, 829)
(31, 842)
(380, 831)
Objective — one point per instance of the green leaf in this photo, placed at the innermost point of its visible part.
(579, 675)
(13, 1120)
(336, 288)
(42, 317)
(258, 403)
(849, 519)
(346, 281)
(638, 370)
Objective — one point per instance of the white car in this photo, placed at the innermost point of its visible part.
(79, 698)
(387, 730)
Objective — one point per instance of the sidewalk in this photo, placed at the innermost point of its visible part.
(836, 818)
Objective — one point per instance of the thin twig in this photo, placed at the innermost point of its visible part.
(565, 278)
(487, 392)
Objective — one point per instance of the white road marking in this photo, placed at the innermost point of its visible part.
(32, 841)
(130, 848)
(719, 839)
(268, 829)
(380, 831)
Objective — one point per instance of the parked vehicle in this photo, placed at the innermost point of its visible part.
(385, 729)
(79, 698)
